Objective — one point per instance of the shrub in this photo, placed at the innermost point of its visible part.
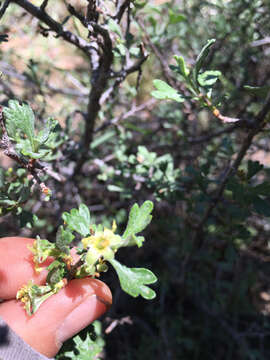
(174, 110)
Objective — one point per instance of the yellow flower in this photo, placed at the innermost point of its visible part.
(23, 294)
(58, 286)
(34, 249)
(102, 244)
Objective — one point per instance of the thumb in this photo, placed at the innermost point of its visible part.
(59, 317)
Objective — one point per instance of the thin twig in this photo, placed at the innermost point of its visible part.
(55, 26)
(126, 115)
(163, 62)
(4, 8)
(44, 4)
(121, 10)
(218, 133)
(260, 123)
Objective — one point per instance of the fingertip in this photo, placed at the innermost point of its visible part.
(17, 266)
(61, 316)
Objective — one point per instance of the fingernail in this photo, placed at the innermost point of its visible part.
(85, 313)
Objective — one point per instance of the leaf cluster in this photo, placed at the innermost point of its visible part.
(97, 246)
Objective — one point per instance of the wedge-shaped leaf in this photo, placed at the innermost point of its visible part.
(166, 92)
(25, 148)
(175, 17)
(114, 27)
(253, 168)
(139, 218)
(262, 189)
(44, 134)
(20, 117)
(56, 272)
(78, 220)
(183, 70)
(63, 239)
(261, 91)
(134, 280)
(36, 298)
(5, 201)
(209, 77)
(201, 57)
(42, 249)
(140, 3)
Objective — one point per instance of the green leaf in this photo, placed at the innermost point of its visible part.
(114, 27)
(26, 218)
(133, 280)
(102, 139)
(261, 206)
(181, 65)
(253, 168)
(78, 220)
(209, 77)
(201, 57)
(140, 3)
(166, 92)
(20, 117)
(6, 201)
(89, 348)
(45, 133)
(261, 91)
(139, 218)
(36, 300)
(262, 189)
(56, 272)
(114, 188)
(44, 248)
(63, 239)
(175, 18)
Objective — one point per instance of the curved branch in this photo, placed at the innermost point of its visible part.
(55, 26)
(4, 8)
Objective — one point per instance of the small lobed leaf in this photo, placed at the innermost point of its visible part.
(78, 220)
(181, 65)
(262, 189)
(261, 91)
(253, 168)
(63, 239)
(201, 57)
(43, 249)
(134, 280)
(139, 218)
(20, 117)
(87, 349)
(25, 147)
(56, 272)
(114, 27)
(45, 133)
(175, 17)
(166, 92)
(209, 77)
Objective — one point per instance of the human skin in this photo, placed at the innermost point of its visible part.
(59, 317)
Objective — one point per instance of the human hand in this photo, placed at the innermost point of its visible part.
(59, 317)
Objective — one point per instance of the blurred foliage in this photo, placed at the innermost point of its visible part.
(213, 291)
